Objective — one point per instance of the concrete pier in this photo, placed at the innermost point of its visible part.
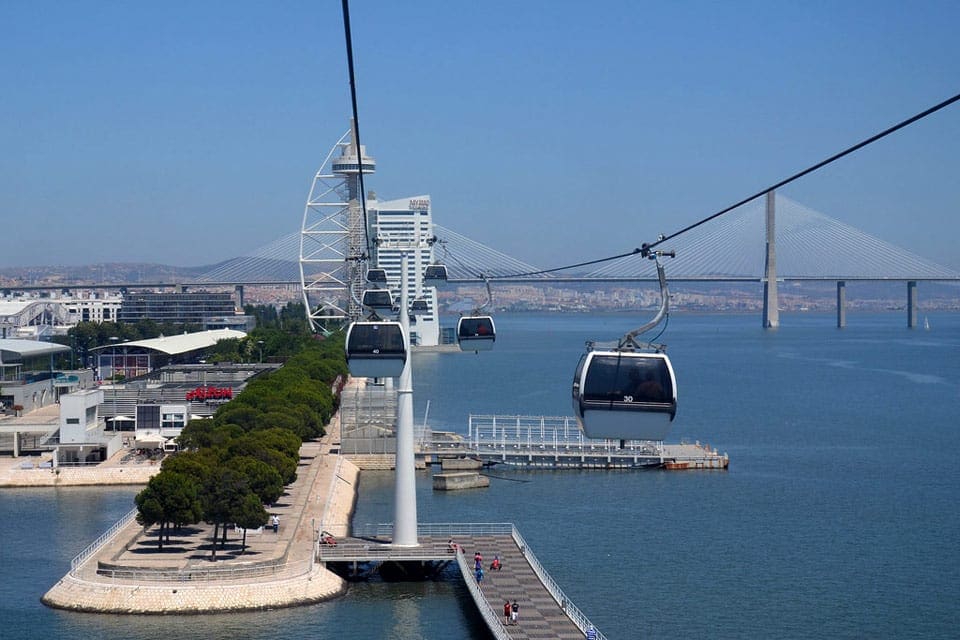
(127, 573)
(458, 480)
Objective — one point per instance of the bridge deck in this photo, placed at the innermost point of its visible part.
(540, 615)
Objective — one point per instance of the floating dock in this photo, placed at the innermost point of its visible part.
(557, 443)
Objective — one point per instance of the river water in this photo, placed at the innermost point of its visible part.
(839, 515)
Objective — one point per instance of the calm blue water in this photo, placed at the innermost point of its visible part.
(839, 515)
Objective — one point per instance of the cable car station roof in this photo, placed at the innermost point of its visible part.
(11, 349)
(183, 343)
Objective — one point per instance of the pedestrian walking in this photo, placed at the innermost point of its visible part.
(591, 633)
(514, 611)
(275, 521)
(479, 574)
(477, 560)
(506, 612)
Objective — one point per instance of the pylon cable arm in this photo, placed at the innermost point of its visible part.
(629, 339)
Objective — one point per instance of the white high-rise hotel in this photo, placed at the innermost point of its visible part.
(406, 226)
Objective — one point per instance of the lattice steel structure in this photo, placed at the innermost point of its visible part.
(333, 237)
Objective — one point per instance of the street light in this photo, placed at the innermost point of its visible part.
(260, 344)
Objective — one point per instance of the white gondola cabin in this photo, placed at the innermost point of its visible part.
(378, 299)
(435, 275)
(376, 349)
(623, 395)
(377, 276)
(419, 307)
(476, 333)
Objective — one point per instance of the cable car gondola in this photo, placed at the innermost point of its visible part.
(476, 331)
(376, 349)
(377, 276)
(630, 392)
(378, 299)
(435, 275)
(625, 395)
(419, 307)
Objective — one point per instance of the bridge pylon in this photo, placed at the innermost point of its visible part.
(771, 310)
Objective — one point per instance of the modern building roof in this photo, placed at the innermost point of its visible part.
(183, 343)
(11, 349)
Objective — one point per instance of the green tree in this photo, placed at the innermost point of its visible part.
(250, 514)
(170, 498)
(222, 498)
(262, 479)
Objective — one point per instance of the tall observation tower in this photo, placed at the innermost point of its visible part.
(332, 236)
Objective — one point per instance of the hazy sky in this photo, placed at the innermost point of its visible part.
(186, 133)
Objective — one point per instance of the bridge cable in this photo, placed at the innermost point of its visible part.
(356, 119)
(645, 249)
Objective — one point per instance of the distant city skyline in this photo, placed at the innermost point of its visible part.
(186, 135)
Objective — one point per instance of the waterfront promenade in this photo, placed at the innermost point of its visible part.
(127, 573)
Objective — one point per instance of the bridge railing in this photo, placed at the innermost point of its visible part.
(565, 603)
(438, 529)
(454, 529)
(104, 538)
(491, 617)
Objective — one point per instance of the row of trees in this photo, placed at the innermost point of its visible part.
(232, 465)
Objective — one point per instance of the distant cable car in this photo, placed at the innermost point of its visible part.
(376, 349)
(476, 333)
(629, 392)
(419, 307)
(378, 299)
(435, 275)
(377, 276)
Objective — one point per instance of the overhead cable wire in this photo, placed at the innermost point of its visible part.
(356, 119)
(811, 169)
(645, 250)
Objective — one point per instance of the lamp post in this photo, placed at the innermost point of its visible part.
(260, 344)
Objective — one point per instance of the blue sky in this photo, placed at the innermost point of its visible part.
(187, 133)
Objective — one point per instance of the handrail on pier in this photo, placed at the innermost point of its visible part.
(104, 538)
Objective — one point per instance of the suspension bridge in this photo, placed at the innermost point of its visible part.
(811, 246)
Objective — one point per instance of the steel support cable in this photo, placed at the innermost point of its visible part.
(356, 119)
(786, 181)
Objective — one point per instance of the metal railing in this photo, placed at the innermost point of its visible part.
(491, 617)
(207, 574)
(553, 433)
(572, 611)
(438, 529)
(104, 538)
(443, 530)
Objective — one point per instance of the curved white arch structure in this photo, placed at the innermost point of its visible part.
(332, 236)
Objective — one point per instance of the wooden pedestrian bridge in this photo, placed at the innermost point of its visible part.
(544, 610)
